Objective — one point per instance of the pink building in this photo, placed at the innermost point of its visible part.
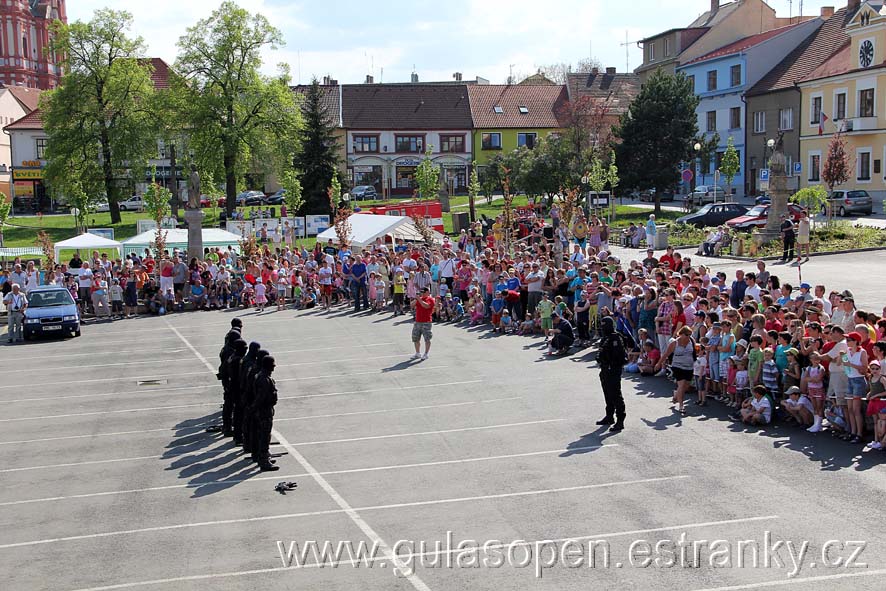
(24, 37)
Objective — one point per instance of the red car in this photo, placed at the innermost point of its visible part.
(756, 217)
(206, 202)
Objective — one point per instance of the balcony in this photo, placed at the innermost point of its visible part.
(860, 124)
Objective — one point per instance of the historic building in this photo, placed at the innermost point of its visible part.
(24, 41)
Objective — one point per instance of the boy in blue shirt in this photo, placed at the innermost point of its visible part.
(498, 305)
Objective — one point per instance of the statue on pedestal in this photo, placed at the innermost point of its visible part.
(194, 189)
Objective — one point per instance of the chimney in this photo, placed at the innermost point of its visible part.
(595, 70)
(715, 6)
(853, 5)
(414, 78)
(325, 80)
(610, 71)
(370, 79)
(827, 11)
(457, 76)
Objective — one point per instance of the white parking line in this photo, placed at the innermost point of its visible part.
(377, 390)
(393, 410)
(315, 474)
(247, 480)
(134, 459)
(416, 367)
(800, 581)
(440, 432)
(80, 367)
(413, 579)
(355, 562)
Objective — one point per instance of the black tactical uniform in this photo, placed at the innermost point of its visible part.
(245, 392)
(249, 421)
(232, 412)
(263, 411)
(224, 375)
(611, 359)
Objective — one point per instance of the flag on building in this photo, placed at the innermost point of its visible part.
(821, 122)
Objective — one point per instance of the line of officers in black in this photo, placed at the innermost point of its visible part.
(250, 395)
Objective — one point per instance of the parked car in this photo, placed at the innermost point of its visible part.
(102, 207)
(250, 198)
(763, 199)
(649, 195)
(364, 192)
(843, 203)
(51, 311)
(134, 203)
(708, 194)
(758, 215)
(205, 201)
(277, 198)
(713, 214)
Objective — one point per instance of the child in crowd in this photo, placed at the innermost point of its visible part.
(380, 290)
(282, 287)
(648, 358)
(813, 381)
(458, 309)
(116, 293)
(545, 310)
(700, 372)
(236, 293)
(770, 373)
(260, 298)
(478, 310)
(877, 404)
(498, 306)
(742, 382)
(791, 376)
(798, 407)
(527, 327)
(297, 295)
(757, 410)
(506, 323)
(399, 292)
(755, 360)
(713, 355)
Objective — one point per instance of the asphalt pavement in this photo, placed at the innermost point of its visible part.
(110, 480)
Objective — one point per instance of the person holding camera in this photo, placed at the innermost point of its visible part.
(16, 303)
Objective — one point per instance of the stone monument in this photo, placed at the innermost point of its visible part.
(778, 193)
(194, 216)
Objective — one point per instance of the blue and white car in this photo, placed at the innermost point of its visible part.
(51, 311)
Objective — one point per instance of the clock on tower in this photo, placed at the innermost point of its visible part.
(865, 53)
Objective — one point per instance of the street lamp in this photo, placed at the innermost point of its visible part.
(76, 213)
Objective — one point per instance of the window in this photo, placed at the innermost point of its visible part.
(735, 118)
(526, 139)
(365, 143)
(712, 121)
(41, 148)
(814, 168)
(864, 166)
(815, 111)
(452, 143)
(491, 141)
(760, 122)
(840, 106)
(409, 143)
(691, 82)
(735, 75)
(523, 110)
(866, 102)
(497, 110)
(667, 51)
(652, 52)
(785, 119)
(712, 80)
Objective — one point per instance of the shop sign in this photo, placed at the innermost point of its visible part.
(30, 173)
(408, 162)
(24, 189)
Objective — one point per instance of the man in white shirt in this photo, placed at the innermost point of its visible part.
(84, 285)
(16, 304)
(577, 255)
(752, 288)
(18, 276)
(447, 268)
(534, 281)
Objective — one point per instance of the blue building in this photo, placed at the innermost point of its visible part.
(722, 77)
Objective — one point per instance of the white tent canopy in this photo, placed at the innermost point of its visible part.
(178, 238)
(85, 243)
(366, 227)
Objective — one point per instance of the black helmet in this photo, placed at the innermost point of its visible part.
(232, 336)
(236, 323)
(608, 325)
(254, 346)
(262, 353)
(268, 363)
(240, 346)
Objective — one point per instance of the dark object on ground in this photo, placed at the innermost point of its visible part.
(283, 487)
(214, 429)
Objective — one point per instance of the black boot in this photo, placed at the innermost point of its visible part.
(268, 467)
(618, 426)
(606, 421)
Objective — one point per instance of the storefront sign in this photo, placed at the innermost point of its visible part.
(362, 169)
(29, 173)
(408, 162)
(24, 189)
(31, 164)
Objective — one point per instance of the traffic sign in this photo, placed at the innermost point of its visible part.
(798, 168)
(687, 175)
(764, 174)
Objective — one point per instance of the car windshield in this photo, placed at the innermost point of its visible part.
(45, 299)
(857, 194)
(758, 210)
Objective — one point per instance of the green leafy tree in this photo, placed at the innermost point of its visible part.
(316, 157)
(211, 190)
(333, 192)
(97, 120)
(490, 179)
(730, 165)
(427, 177)
(657, 133)
(707, 149)
(612, 173)
(236, 115)
(294, 197)
(156, 199)
(5, 209)
(474, 190)
(813, 198)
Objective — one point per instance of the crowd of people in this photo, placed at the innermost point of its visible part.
(765, 348)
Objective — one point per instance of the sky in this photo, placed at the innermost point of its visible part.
(348, 39)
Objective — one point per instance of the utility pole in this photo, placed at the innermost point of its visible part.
(173, 179)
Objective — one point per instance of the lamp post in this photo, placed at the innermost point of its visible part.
(768, 147)
(697, 148)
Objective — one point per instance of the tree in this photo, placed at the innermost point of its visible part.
(708, 145)
(474, 189)
(657, 133)
(730, 165)
(836, 169)
(97, 120)
(317, 157)
(156, 199)
(558, 72)
(5, 208)
(812, 198)
(237, 117)
(294, 197)
(427, 177)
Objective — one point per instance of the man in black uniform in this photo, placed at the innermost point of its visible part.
(232, 406)
(227, 387)
(250, 423)
(611, 359)
(263, 411)
(788, 238)
(246, 392)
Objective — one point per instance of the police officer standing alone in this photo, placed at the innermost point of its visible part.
(611, 359)
(263, 412)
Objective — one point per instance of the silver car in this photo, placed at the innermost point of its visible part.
(707, 194)
(843, 203)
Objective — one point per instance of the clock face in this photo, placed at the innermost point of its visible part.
(866, 53)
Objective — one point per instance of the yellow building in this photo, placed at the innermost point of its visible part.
(847, 93)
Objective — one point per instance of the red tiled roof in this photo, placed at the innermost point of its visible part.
(160, 73)
(406, 106)
(808, 56)
(28, 98)
(618, 89)
(542, 102)
(838, 63)
(330, 100)
(742, 44)
(30, 121)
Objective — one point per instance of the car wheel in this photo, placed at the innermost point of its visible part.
(77, 333)
(842, 212)
(122, 208)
